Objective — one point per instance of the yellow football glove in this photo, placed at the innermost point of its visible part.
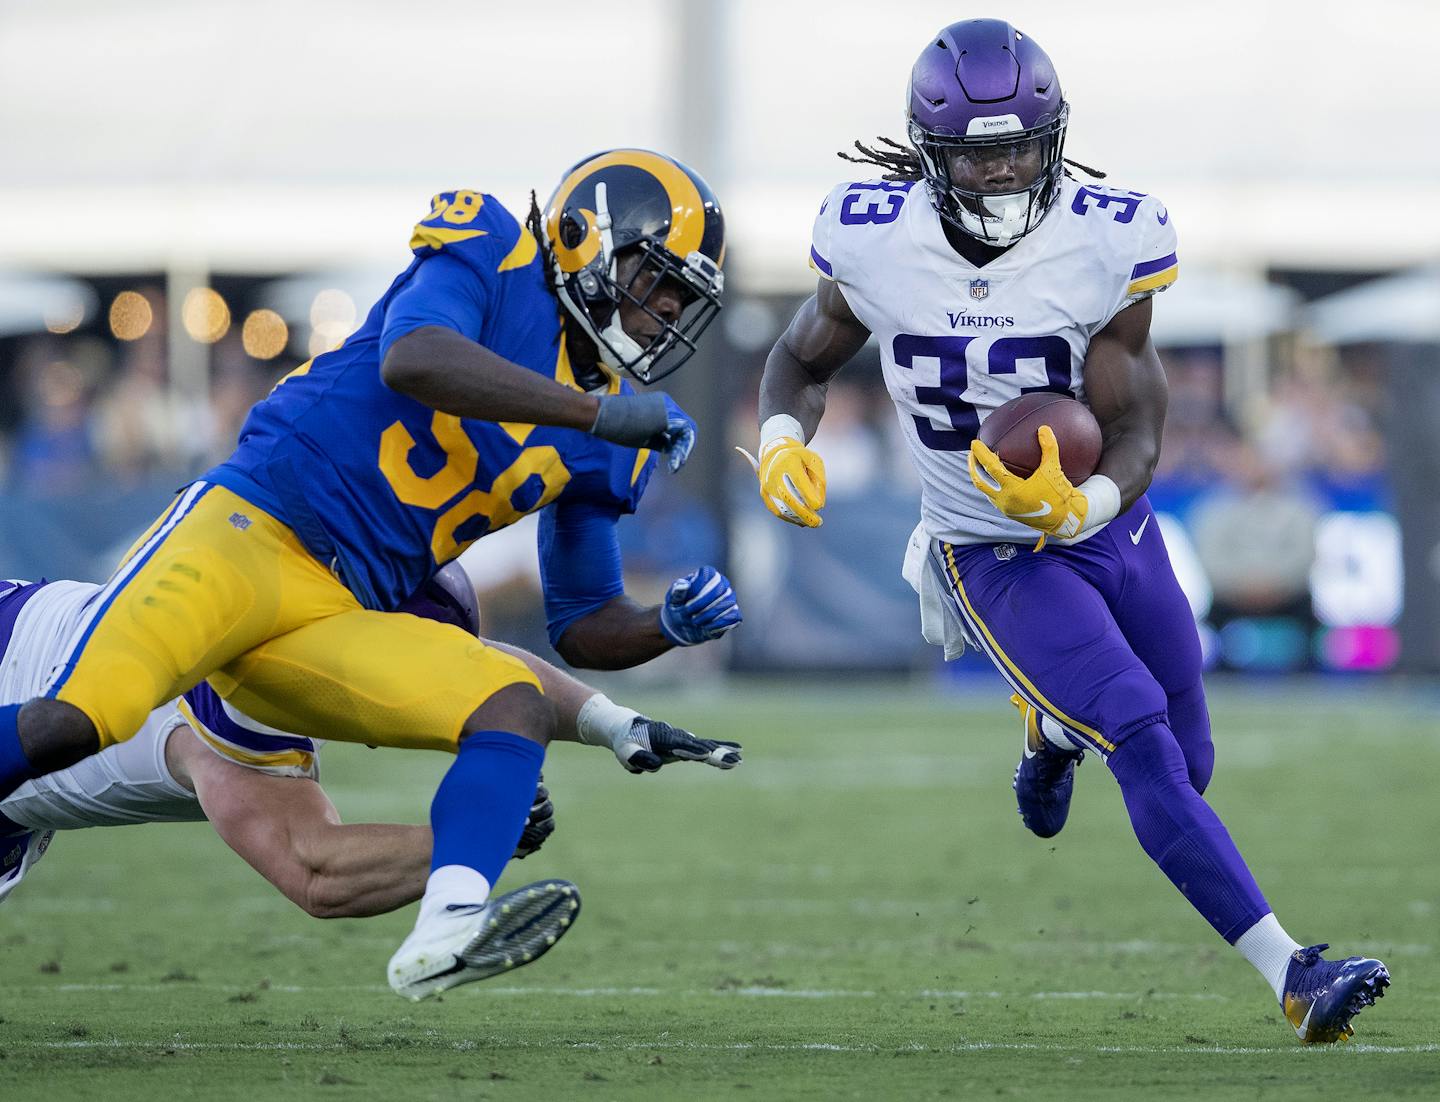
(1046, 501)
(792, 481)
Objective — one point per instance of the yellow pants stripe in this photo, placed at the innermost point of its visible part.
(101, 602)
(1023, 682)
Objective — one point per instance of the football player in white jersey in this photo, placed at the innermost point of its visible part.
(199, 758)
(985, 271)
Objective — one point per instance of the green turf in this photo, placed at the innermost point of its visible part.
(857, 913)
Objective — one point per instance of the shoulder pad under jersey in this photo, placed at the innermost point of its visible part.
(477, 229)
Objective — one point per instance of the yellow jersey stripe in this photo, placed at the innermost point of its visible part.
(1014, 669)
(640, 457)
(1155, 282)
(436, 237)
(525, 250)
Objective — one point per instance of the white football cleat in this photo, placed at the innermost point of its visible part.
(463, 943)
(18, 855)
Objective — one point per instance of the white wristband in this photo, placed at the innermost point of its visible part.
(1104, 498)
(602, 722)
(781, 424)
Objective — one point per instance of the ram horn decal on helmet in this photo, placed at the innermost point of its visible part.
(634, 199)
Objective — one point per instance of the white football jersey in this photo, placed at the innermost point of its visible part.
(957, 341)
(35, 641)
(37, 635)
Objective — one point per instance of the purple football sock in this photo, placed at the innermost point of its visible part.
(1182, 834)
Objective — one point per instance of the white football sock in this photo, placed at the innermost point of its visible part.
(1267, 946)
(1055, 735)
(602, 722)
(452, 884)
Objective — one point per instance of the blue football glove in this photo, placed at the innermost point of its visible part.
(679, 435)
(699, 607)
(646, 421)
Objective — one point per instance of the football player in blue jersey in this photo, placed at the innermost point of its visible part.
(260, 788)
(484, 385)
(1094, 635)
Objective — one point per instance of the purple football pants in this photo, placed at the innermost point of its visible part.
(1099, 637)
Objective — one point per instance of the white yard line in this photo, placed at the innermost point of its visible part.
(749, 991)
(700, 1046)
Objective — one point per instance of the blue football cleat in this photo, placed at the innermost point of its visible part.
(1045, 777)
(1321, 996)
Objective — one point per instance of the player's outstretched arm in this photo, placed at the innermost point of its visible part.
(449, 372)
(1126, 389)
(289, 832)
(640, 744)
(821, 338)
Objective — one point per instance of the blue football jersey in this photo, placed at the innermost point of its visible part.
(385, 490)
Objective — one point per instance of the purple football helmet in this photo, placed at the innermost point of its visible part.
(447, 597)
(987, 118)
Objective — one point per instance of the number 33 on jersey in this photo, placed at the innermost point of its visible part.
(957, 341)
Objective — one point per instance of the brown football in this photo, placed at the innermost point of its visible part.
(1010, 433)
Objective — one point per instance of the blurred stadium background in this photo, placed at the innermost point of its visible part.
(196, 198)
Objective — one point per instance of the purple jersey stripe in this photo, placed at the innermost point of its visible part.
(823, 264)
(1150, 267)
(12, 600)
(205, 703)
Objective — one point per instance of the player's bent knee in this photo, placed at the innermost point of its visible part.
(520, 709)
(56, 735)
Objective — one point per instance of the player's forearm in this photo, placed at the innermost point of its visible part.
(356, 870)
(451, 373)
(566, 693)
(787, 387)
(616, 636)
(1127, 391)
(1131, 451)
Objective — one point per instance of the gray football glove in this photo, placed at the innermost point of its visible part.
(651, 743)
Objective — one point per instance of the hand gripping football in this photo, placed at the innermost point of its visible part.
(1010, 432)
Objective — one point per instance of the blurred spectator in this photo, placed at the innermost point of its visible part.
(1256, 540)
(52, 454)
(132, 419)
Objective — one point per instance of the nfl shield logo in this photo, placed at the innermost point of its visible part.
(979, 288)
(1004, 551)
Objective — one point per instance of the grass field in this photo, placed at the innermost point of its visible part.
(856, 913)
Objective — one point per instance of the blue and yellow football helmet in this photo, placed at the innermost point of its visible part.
(626, 199)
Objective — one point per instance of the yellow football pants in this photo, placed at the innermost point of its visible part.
(217, 588)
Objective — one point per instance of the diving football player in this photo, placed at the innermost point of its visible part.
(985, 271)
(260, 788)
(484, 385)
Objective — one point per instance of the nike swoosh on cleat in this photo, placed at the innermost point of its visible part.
(1135, 535)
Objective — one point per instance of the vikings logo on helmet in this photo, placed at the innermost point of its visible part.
(634, 199)
(985, 104)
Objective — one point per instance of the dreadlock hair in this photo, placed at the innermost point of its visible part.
(899, 161)
(535, 223)
(903, 163)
